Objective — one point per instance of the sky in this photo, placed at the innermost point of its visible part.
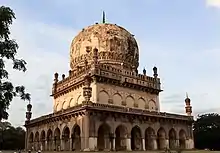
(180, 37)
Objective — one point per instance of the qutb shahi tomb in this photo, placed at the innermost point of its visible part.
(105, 104)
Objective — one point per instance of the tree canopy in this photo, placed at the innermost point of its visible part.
(207, 131)
(11, 138)
(8, 52)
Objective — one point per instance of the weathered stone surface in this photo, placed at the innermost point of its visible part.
(115, 45)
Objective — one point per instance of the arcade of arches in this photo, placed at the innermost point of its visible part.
(121, 139)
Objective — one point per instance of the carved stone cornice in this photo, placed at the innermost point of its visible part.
(111, 110)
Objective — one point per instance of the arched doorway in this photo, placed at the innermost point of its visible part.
(172, 139)
(42, 139)
(76, 138)
(66, 138)
(149, 138)
(120, 139)
(31, 141)
(36, 141)
(161, 139)
(49, 140)
(136, 139)
(57, 140)
(182, 139)
(103, 137)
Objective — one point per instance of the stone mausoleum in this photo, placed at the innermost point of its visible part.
(105, 103)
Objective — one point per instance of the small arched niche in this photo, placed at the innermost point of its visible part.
(130, 101)
(141, 103)
(103, 97)
(152, 105)
(117, 99)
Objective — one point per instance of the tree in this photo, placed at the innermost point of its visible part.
(12, 138)
(206, 131)
(8, 51)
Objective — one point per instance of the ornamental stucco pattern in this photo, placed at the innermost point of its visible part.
(105, 103)
(115, 44)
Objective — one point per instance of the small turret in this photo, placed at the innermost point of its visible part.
(95, 56)
(56, 77)
(144, 71)
(63, 76)
(87, 90)
(28, 113)
(188, 107)
(155, 72)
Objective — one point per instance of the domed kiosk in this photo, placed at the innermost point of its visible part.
(105, 104)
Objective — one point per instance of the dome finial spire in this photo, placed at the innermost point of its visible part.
(103, 17)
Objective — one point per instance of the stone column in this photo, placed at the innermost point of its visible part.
(71, 141)
(86, 131)
(93, 143)
(128, 144)
(113, 144)
(143, 144)
(167, 143)
(61, 143)
(45, 146)
(177, 143)
(154, 143)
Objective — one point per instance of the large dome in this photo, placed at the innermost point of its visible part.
(116, 46)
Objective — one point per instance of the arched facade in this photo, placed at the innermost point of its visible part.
(110, 135)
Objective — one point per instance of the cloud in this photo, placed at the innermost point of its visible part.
(46, 49)
(213, 3)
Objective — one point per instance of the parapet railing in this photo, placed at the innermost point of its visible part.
(110, 72)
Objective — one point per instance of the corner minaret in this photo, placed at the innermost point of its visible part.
(188, 106)
(28, 113)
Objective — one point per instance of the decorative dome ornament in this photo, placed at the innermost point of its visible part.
(115, 46)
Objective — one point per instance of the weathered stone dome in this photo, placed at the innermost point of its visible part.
(116, 46)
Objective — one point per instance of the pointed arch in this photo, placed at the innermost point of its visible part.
(43, 139)
(79, 100)
(72, 102)
(103, 97)
(65, 105)
(172, 138)
(57, 141)
(76, 137)
(117, 99)
(136, 138)
(149, 137)
(120, 137)
(152, 105)
(103, 137)
(161, 138)
(37, 137)
(141, 103)
(66, 138)
(182, 139)
(31, 137)
(49, 140)
(130, 101)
